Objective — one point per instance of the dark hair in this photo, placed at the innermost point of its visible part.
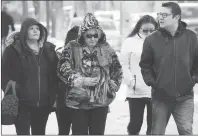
(72, 34)
(175, 8)
(143, 20)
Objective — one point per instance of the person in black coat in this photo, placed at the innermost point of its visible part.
(31, 62)
(169, 64)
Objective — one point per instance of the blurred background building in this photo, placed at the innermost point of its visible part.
(58, 16)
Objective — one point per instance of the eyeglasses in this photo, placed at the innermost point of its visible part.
(92, 35)
(164, 15)
(147, 30)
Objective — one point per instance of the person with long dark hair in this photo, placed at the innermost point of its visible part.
(138, 94)
(64, 113)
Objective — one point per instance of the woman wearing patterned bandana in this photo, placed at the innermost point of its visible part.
(91, 69)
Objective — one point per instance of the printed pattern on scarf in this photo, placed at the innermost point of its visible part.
(109, 80)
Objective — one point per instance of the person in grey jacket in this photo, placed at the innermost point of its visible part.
(169, 64)
(138, 93)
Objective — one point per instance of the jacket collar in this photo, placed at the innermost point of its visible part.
(182, 26)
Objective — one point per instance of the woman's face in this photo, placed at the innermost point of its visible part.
(91, 37)
(147, 29)
(33, 32)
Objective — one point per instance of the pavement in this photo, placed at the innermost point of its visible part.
(117, 119)
(120, 116)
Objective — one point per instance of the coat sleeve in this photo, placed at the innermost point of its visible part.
(146, 63)
(7, 71)
(115, 71)
(195, 60)
(54, 88)
(124, 60)
(65, 68)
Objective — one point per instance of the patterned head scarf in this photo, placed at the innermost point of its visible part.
(89, 22)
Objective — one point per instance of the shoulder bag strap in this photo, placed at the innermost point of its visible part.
(11, 84)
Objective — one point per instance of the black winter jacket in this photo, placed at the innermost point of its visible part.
(36, 77)
(170, 63)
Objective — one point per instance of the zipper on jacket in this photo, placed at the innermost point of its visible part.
(175, 64)
(39, 78)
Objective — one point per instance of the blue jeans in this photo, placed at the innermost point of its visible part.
(182, 112)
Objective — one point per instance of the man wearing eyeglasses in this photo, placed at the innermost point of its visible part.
(169, 64)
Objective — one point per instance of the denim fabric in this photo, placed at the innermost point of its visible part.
(182, 112)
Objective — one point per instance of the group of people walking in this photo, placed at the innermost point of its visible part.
(158, 63)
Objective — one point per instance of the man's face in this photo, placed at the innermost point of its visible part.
(165, 18)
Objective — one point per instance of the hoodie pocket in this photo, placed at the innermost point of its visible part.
(158, 78)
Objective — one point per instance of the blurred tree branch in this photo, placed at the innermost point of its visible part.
(36, 5)
(47, 15)
(54, 9)
(25, 9)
